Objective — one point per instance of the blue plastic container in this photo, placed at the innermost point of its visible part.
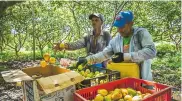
(99, 65)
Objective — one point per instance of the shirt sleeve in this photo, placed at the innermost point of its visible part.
(78, 44)
(148, 50)
(101, 56)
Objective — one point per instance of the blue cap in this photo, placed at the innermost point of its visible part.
(122, 18)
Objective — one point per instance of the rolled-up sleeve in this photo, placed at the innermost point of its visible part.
(148, 50)
(78, 44)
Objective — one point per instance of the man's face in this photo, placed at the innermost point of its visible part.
(96, 22)
(126, 30)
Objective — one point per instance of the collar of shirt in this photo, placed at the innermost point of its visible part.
(101, 33)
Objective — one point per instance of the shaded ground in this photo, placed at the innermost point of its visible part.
(10, 92)
(171, 78)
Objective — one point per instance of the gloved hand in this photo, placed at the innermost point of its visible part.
(81, 61)
(118, 57)
(59, 46)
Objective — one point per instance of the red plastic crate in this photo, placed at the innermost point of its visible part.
(159, 93)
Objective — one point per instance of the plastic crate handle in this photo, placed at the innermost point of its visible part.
(150, 87)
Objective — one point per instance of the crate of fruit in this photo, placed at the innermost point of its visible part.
(94, 75)
(126, 89)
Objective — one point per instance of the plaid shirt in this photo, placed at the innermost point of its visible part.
(92, 44)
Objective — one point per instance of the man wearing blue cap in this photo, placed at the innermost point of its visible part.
(94, 42)
(131, 44)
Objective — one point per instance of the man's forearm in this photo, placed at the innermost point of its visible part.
(75, 45)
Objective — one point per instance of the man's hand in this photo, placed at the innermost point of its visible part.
(118, 57)
(81, 61)
(59, 46)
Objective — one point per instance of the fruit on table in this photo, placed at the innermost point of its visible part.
(80, 67)
(99, 97)
(101, 81)
(85, 75)
(143, 95)
(43, 63)
(82, 72)
(108, 98)
(131, 91)
(137, 98)
(128, 98)
(87, 70)
(117, 90)
(73, 65)
(101, 73)
(124, 91)
(103, 92)
(61, 45)
(116, 95)
(105, 81)
(121, 100)
(46, 57)
(90, 75)
(97, 75)
(47, 60)
(120, 94)
(52, 60)
(139, 93)
(111, 92)
(146, 95)
(96, 72)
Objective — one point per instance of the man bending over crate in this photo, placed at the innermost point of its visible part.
(131, 44)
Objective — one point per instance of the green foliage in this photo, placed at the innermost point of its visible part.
(62, 21)
(23, 56)
(167, 57)
(165, 48)
(27, 55)
(166, 21)
(166, 66)
(167, 61)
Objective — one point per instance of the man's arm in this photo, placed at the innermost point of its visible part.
(101, 56)
(148, 50)
(76, 45)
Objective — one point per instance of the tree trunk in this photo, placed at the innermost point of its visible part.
(1, 49)
(41, 51)
(33, 24)
(178, 48)
(16, 53)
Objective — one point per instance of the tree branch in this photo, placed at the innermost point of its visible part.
(117, 12)
(65, 37)
(74, 16)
